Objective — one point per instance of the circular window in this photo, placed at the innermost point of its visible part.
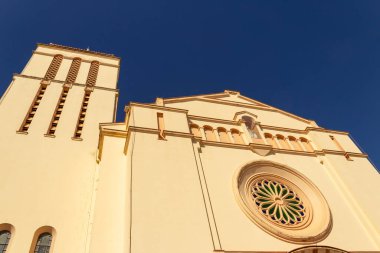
(279, 202)
(283, 202)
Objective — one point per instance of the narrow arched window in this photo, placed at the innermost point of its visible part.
(282, 142)
(43, 243)
(295, 143)
(73, 71)
(209, 133)
(53, 68)
(237, 136)
(195, 130)
(223, 135)
(5, 236)
(251, 126)
(92, 73)
(270, 140)
(306, 144)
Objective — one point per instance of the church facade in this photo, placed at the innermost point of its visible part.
(206, 173)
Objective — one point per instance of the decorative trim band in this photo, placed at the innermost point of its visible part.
(63, 82)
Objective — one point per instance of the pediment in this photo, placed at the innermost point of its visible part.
(226, 96)
(229, 98)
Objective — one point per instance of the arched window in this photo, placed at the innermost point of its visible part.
(251, 127)
(209, 133)
(295, 143)
(5, 236)
(92, 73)
(270, 140)
(282, 142)
(53, 68)
(236, 135)
(73, 71)
(43, 243)
(222, 132)
(306, 144)
(195, 130)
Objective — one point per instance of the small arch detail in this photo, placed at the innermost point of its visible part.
(209, 132)
(223, 136)
(236, 135)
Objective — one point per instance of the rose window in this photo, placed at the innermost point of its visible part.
(278, 202)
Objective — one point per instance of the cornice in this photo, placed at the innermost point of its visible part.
(157, 107)
(320, 129)
(63, 82)
(305, 131)
(261, 149)
(71, 58)
(84, 51)
(208, 119)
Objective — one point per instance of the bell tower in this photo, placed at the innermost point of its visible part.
(50, 117)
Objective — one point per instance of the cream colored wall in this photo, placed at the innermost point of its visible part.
(168, 213)
(107, 77)
(220, 165)
(63, 70)
(220, 111)
(360, 181)
(49, 181)
(324, 141)
(157, 163)
(110, 230)
(83, 72)
(147, 117)
(37, 65)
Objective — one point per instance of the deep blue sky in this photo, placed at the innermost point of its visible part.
(317, 59)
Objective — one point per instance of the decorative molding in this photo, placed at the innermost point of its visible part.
(260, 149)
(63, 82)
(154, 106)
(208, 119)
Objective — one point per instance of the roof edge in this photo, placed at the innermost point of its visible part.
(52, 45)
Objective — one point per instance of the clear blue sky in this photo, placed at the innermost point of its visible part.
(317, 59)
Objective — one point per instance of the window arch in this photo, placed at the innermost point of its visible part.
(223, 136)
(73, 71)
(5, 236)
(282, 142)
(306, 144)
(53, 68)
(195, 130)
(43, 240)
(236, 135)
(92, 73)
(270, 140)
(209, 132)
(295, 143)
(251, 126)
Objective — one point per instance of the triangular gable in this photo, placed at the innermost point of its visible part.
(233, 98)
